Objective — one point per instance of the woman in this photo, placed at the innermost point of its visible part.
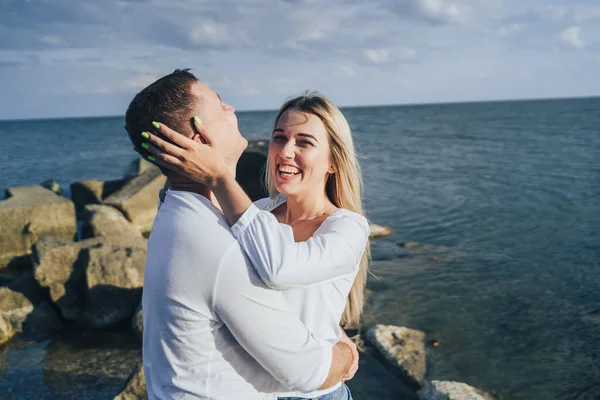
(313, 241)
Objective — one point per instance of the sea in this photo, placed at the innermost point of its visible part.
(495, 251)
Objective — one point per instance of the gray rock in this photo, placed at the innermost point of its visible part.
(29, 213)
(250, 173)
(137, 168)
(135, 387)
(96, 282)
(114, 280)
(138, 322)
(378, 231)
(106, 221)
(23, 309)
(403, 349)
(138, 199)
(446, 390)
(93, 192)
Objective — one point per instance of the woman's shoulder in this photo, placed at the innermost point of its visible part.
(269, 204)
(345, 216)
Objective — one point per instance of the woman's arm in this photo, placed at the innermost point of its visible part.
(332, 253)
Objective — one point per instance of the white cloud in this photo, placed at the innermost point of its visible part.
(140, 81)
(54, 40)
(442, 10)
(432, 11)
(345, 70)
(210, 33)
(509, 29)
(377, 55)
(572, 36)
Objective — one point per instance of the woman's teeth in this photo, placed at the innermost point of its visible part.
(289, 170)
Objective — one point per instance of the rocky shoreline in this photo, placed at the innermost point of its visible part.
(80, 262)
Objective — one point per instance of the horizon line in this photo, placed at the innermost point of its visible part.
(433, 103)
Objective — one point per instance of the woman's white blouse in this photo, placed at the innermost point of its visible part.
(316, 275)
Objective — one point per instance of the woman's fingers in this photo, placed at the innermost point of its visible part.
(173, 136)
(157, 142)
(162, 158)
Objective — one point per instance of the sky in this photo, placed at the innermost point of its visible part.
(61, 58)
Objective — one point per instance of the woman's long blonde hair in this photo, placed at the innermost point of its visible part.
(343, 187)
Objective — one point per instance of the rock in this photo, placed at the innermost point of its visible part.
(250, 174)
(138, 322)
(138, 199)
(93, 192)
(135, 388)
(6, 279)
(114, 278)
(96, 282)
(403, 348)
(106, 221)
(29, 213)
(378, 231)
(23, 309)
(446, 390)
(137, 168)
(258, 146)
(6, 329)
(52, 186)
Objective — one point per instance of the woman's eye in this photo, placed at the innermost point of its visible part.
(279, 137)
(305, 143)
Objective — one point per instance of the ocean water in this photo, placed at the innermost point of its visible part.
(503, 197)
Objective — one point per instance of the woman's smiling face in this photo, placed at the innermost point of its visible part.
(299, 154)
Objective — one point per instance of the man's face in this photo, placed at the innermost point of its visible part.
(219, 123)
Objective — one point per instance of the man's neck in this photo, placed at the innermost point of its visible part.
(198, 188)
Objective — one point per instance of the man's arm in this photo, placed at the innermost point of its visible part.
(340, 364)
(263, 323)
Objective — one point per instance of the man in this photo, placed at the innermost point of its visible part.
(212, 330)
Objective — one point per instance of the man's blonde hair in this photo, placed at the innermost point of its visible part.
(343, 187)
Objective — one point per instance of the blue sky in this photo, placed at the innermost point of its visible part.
(63, 58)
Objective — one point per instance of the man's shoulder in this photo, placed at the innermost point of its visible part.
(194, 219)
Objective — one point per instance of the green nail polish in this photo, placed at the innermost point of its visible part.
(155, 124)
(198, 120)
(145, 135)
(145, 146)
(151, 158)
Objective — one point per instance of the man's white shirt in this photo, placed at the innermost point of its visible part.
(212, 328)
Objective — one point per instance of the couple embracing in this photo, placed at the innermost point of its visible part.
(245, 300)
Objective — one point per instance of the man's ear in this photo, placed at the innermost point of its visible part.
(197, 137)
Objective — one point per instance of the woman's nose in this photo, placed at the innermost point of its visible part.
(288, 150)
(229, 107)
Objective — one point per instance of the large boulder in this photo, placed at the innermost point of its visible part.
(446, 390)
(403, 349)
(106, 221)
(138, 199)
(29, 213)
(24, 309)
(114, 280)
(135, 387)
(138, 167)
(93, 192)
(96, 282)
(250, 170)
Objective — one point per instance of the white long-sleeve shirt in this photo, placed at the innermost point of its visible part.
(212, 329)
(316, 275)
